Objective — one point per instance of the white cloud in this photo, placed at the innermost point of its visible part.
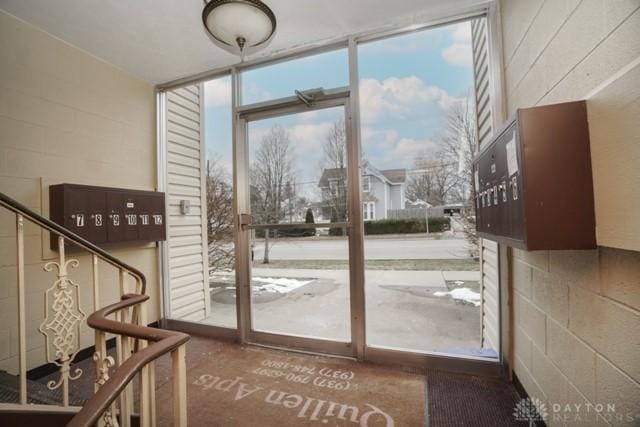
(398, 98)
(217, 92)
(385, 148)
(461, 32)
(409, 148)
(309, 135)
(459, 52)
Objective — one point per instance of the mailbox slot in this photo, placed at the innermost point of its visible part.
(108, 215)
(533, 181)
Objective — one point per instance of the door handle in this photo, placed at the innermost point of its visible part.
(244, 220)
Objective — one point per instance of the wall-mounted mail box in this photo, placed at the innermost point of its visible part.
(108, 215)
(533, 181)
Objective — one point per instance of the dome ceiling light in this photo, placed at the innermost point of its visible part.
(239, 26)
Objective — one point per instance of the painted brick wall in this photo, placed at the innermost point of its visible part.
(577, 313)
(65, 116)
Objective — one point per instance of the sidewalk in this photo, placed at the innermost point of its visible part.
(430, 279)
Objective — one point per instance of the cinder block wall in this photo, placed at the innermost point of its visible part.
(65, 116)
(577, 313)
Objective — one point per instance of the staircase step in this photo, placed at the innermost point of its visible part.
(36, 392)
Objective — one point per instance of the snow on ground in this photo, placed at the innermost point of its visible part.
(464, 294)
(281, 285)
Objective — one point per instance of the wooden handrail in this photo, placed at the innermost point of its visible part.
(162, 342)
(38, 219)
(156, 342)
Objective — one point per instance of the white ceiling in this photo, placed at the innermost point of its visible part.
(162, 40)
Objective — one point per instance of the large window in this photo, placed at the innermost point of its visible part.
(303, 282)
(418, 134)
(369, 211)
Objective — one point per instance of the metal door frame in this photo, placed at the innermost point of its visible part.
(390, 356)
(243, 115)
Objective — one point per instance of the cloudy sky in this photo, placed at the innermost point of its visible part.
(405, 84)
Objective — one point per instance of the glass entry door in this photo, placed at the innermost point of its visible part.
(294, 173)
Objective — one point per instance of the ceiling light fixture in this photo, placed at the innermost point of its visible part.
(239, 26)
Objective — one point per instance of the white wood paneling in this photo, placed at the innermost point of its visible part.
(186, 232)
(490, 308)
(490, 295)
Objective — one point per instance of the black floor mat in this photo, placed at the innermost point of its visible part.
(465, 400)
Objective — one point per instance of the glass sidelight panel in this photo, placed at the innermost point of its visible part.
(298, 188)
(422, 273)
(219, 203)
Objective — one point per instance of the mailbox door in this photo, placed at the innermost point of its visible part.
(144, 217)
(76, 211)
(516, 199)
(131, 217)
(115, 217)
(158, 219)
(97, 219)
(502, 202)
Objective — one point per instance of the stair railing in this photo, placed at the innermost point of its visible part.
(137, 346)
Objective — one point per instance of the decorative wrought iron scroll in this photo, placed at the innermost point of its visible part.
(61, 325)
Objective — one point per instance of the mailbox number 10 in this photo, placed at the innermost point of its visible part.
(132, 219)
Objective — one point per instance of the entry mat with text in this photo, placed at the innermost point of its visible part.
(230, 385)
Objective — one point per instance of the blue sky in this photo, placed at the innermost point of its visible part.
(406, 82)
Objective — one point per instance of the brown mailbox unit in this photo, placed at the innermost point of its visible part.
(533, 181)
(108, 215)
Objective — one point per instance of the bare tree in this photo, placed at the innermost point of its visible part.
(219, 215)
(271, 173)
(334, 165)
(433, 179)
(460, 140)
